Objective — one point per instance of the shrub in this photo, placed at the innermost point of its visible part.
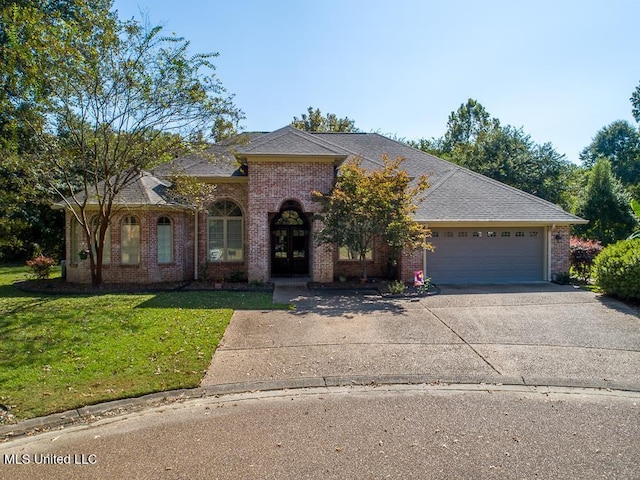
(582, 254)
(617, 269)
(396, 287)
(237, 277)
(41, 266)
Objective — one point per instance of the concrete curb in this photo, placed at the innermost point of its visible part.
(114, 408)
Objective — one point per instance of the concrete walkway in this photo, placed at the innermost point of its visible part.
(541, 334)
(289, 290)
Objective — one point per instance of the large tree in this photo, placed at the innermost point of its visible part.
(466, 125)
(27, 40)
(618, 142)
(123, 99)
(315, 121)
(606, 205)
(477, 141)
(635, 103)
(365, 203)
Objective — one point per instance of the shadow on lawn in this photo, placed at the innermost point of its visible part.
(164, 295)
(212, 300)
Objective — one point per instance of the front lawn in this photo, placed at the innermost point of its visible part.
(62, 352)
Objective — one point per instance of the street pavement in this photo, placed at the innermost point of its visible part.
(531, 381)
(360, 432)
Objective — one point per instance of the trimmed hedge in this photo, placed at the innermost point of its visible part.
(617, 269)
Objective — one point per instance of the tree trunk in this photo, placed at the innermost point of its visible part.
(363, 264)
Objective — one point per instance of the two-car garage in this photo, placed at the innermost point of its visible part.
(486, 255)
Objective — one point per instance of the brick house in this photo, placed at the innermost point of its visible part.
(259, 222)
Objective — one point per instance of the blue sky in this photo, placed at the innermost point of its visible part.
(559, 69)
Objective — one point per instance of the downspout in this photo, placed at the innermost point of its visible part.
(549, 252)
(424, 262)
(195, 247)
(424, 258)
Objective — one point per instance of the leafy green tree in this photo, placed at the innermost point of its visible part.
(635, 206)
(28, 35)
(26, 220)
(122, 103)
(364, 204)
(606, 205)
(510, 156)
(432, 145)
(315, 121)
(635, 103)
(618, 142)
(466, 124)
(477, 141)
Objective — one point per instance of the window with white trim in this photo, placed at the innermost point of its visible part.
(345, 253)
(165, 240)
(226, 232)
(130, 243)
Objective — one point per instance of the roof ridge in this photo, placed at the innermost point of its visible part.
(433, 188)
(288, 129)
(355, 154)
(318, 141)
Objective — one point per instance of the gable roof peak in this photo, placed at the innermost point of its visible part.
(290, 141)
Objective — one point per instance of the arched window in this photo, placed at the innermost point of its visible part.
(165, 240)
(225, 232)
(130, 244)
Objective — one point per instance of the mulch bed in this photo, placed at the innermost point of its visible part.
(379, 286)
(58, 286)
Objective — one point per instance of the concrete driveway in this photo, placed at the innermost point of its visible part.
(541, 334)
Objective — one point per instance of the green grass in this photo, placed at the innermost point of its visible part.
(62, 352)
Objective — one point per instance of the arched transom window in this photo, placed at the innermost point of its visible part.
(225, 232)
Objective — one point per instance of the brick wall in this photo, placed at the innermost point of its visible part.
(559, 244)
(410, 261)
(377, 267)
(271, 183)
(148, 270)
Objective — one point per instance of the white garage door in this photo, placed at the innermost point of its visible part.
(489, 255)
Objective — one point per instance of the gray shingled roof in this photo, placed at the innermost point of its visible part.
(217, 161)
(145, 190)
(456, 194)
(289, 141)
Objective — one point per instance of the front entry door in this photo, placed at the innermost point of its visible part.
(289, 244)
